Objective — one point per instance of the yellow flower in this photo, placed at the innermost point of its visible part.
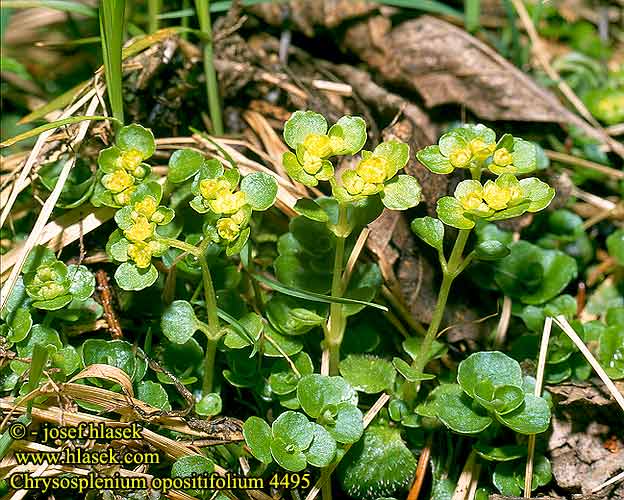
(502, 157)
(118, 181)
(495, 196)
(227, 228)
(336, 143)
(123, 198)
(141, 230)
(311, 163)
(130, 159)
(318, 145)
(352, 182)
(461, 157)
(51, 290)
(471, 201)
(211, 188)
(140, 253)
(147, 206)
(228, 203)
(481, 149)
(373, 169)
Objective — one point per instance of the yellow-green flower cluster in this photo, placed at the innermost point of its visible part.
(223, 200)
(138, 222)
(501, 199)
(368, 177)
(122, 167)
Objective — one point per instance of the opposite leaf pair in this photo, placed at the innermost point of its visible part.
(490, 387)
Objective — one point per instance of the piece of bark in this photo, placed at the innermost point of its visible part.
(569, 393)
(306, 15)
(445, 64)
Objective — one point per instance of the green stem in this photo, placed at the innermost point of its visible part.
(153, 9)
(335, 333)
(181, 245)
(454, 267)
(203, 13)
(213, 324)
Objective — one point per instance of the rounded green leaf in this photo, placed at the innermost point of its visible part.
(130, 277)
(39, 335)
(454, 408)
(190, 465)
(82, 282)
(153, 394)
(283, 380)
(367, 373)
(379, 465)
(493, 366)
(137, 137)
(67, 360)
(452, 213)
(491, 250)
(184, 164)
(431, 158)
(294, 428)
(179, 322)
(53, 304)
(310, 209)
(507, 479)
(260, 190)
(352, 129)
(537, 192)
(287, 456)
(323, 448)
(315, 392)
(395, 153)
(302, 123)
(107, 159)
(147, 188)
(257, 434)
(534, 275)
(532, 417)
(401, 192)
(430, 230)
(20, 322)
(295, 170)
(452, 141)
(210, 405)
(524, 156)
(347, 426)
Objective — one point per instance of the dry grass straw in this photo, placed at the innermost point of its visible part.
(539, 384)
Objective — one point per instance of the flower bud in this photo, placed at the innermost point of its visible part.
(318, 145)
(228, 203)
(130, 159)
(471, 201)
(117, 181)
(147, 206)
(502, 157)
(373, 169)
(211, 188)
(227, 229)
(352, 182)
(140, 253)
(51, 290)
(461, 157)
(495, 196)
(141, 230)
(311, 163)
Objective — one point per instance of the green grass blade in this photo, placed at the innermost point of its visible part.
(6, 440)
(312, 296)
(472, 12)
(153, 8)
(212, 87)
(65, 6)
(239, 327)
(426, 6)
(48, 126)
(111, 32)
(177, 14)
